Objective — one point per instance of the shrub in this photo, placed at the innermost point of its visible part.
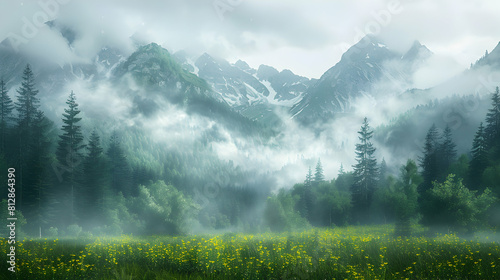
(73, 230)
(52, 232)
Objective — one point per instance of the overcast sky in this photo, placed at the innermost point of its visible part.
(307, 37)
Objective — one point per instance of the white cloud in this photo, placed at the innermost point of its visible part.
(299, 35)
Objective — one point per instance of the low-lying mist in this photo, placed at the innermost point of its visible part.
(291, 151)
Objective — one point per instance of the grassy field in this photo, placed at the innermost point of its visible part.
(341, 253)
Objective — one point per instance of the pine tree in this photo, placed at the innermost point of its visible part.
(429, 162)
(479, 161)
(309, 178)
(94, 182)
(341, 169)
(27, 107)
(6, 107)
(365, 173)
(119, 168)
(383, 170)
(38, 192)
(406, 198)
(382, 174)
(492, 130)
(304, 203)
(447, 153)
(69, 154)
(318, 174)
(27, 101)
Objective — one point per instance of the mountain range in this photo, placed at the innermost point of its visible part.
(207, 84)
(361, 68)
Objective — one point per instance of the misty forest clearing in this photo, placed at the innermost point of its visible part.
(136, 145)
(369, 223)
(355, 252)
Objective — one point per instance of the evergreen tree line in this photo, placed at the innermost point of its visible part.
(67, 182)
(442, 191)
(73, 184)
(69, 185)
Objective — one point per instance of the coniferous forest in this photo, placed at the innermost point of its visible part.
(94, 181)
(126, 158)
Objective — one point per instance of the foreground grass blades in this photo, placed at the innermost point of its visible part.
(341, 253)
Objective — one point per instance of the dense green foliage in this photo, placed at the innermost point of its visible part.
(122, 181)
(435, 195)
(99, 180)
(454, 206)
(479, 154)
(401, 198)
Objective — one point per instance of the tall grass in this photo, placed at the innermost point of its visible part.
(364, 252)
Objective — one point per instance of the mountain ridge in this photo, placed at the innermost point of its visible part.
(360, 67)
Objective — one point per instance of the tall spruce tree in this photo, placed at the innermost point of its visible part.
(119, 168)
(318, 174)
(447, 153)
(27, 101)
(492, 130)
(37, 200)
(6, 107)
(309, 178)
(383, 169)
(430, 160)
(365, 174)
(94, 183)
(27, 105)
(406, 197)
(382, 174)
(305, 202)
(341, 169)
(69, 155)
(479, 160)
